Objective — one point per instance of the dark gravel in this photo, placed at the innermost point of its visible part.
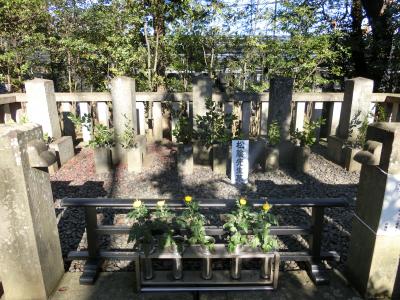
(159, 179)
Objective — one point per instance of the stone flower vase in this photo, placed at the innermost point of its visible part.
(302, 158)
(185, 159)
(271, 158)
(220, 156)
(102, 160)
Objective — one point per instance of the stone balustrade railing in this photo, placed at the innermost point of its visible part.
(251, 108)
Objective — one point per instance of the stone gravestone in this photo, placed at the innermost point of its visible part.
(280, 105)
(356, 106)
(240, 162)
(374, 252)
(31, 264)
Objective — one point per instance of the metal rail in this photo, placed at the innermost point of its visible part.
(94, 255)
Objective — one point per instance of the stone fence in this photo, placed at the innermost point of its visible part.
(155, 115)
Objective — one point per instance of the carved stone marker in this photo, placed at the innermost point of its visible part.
(374, 251)
(31, 264)
(240, 162)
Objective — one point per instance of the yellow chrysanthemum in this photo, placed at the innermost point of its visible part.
(242, 201)
(161, 203)
(188, 199)
(137, 203)
(266, 206)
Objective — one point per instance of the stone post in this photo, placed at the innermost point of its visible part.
(42, 107)
(356, 105)
(280, 104)
(202, 89)
(374, 250)
(31, 263)
(123, 103)
(157, 122)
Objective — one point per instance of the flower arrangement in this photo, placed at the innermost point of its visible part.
(192, 220)
(246, 226)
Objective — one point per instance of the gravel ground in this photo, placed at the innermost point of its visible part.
(159, 179)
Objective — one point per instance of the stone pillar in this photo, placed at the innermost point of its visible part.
(42, 107)
(123, 97)
(157, 122)
(141, 122)
(357, 101)
(356, 105)
(31, 263)
(374, 250)
(103, 113)
(246, 118)
(264, 118)
(280, 106)
(84, 109)
(334, 117)
(202, 89)
(300, 114)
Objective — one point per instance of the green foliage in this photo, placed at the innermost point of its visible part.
(127, 138)
(183, 131)
(381, 115)
(238, 223)
(148, 226)
(215, 127)
(274, 134)
(307, 137)
(359, 124)
(261, 230)
(192, 220)
(85, 120)
(103, 137)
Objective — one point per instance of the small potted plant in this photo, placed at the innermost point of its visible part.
(262, 238)
(304, 140)
(214, 130)
(183, 133)
(127, 140)
(272, 149)
(194, 222)
(238, 223)
(102, 142)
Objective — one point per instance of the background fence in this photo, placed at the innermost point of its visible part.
(250, 108)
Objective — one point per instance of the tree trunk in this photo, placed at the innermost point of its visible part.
(357, 43)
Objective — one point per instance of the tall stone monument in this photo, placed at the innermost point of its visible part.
(374, 252)
(355, 108)
(280, 105)
(123, 96)
(31, 264)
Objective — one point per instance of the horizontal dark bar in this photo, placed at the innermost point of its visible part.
(208, 203)
(275, 230)
(120, 255)
(207, 288)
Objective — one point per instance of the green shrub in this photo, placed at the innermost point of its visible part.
(215, 127)
(103, 137)
(127, 139)
(183, 131)
(307, 137)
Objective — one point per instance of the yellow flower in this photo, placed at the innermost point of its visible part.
(266, 206)
(188, 199)
(137, 203)
(161, 203)
(242, 201)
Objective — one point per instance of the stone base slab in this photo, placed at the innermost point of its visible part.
(185, 160)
